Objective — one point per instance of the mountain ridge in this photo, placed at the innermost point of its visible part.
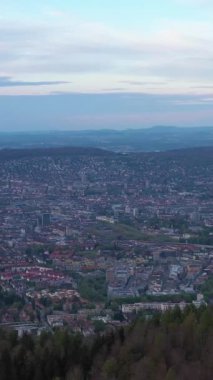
(161, 138)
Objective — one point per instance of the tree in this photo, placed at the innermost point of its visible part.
(99, 326)
(171, 375)
(110, 368)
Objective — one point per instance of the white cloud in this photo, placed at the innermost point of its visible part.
(193, 2)
(67, 48)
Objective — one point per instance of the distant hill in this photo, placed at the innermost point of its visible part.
(15, 154)
(189, 156)
(159, 138)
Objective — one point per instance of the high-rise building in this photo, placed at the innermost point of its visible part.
(46, 220)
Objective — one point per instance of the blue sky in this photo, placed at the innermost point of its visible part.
(138, 63)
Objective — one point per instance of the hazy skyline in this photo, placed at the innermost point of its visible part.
(82, 64)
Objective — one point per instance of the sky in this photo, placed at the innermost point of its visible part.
(82, 64)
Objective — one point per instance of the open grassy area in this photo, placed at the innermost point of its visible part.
(123, 231)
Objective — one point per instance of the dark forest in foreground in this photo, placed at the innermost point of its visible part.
(172, 346)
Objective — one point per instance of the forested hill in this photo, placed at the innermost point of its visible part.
(191, 155)
(173, 346)
(16, 154)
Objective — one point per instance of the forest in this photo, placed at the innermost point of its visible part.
(174, 345)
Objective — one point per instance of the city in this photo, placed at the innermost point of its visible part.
(90, 238)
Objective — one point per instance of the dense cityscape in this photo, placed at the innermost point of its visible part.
(106, 190)
(91, 238)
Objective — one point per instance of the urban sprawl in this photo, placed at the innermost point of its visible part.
(89, 238)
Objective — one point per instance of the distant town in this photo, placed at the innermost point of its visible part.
(91, 238)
